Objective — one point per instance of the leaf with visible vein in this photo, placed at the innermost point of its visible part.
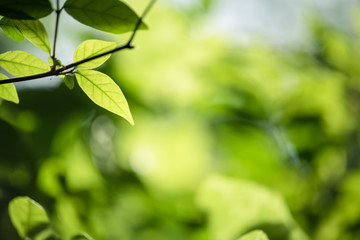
(103, 91)
(10, 30)
(35, 32)
(28, 217)
(111, 16)
(90, 48)
(21, 64)
(8, 91)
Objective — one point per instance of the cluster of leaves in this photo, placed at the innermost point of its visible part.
(21, 21)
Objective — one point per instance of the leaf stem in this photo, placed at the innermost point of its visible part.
(63, 70)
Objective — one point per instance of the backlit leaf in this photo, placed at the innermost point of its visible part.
(28, 217)
(8, 91)
(21, 64)
(91, 48)
(69, 81)
(255, 235)
(11, 30)
(103, 91)
(34, 31)
(110, 16)
(25, 9)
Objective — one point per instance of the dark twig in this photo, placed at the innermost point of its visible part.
(126, 46)
(147, 9)
(58, 11)
(63, 70)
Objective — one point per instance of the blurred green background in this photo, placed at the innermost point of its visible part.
(231, 133)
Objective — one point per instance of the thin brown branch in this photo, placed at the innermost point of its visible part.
(126, 46)
(58, 11)
(62, 70)
(145, 12)
(28, 78)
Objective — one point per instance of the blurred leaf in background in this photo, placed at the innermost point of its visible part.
(237, 206)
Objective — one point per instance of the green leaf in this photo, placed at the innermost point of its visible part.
(103, 91)
(8, 91)
(34, 31)
(255, 235)
(110, 16)
(69, 81)
(25, 9)
(21, 64)
(11, 30)
(28, 217)
(90, 48)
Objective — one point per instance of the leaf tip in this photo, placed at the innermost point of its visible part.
(129, 118)
(131, 121)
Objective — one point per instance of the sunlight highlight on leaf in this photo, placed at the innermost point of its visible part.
(8, 91)
(11, 30)
(103, 91)
(35, 32)
(110, 16)
(21, 64)
(90, 48)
